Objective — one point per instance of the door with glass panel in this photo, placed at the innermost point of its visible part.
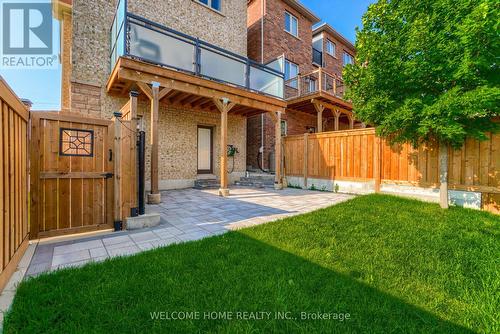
(205, 150)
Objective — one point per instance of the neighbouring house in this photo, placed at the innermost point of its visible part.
(186, 58)
(281, 34)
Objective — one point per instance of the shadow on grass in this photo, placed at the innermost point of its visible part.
(228, 273)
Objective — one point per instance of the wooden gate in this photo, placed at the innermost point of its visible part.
(71, 174)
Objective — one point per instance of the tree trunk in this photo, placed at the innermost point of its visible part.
(443, 175)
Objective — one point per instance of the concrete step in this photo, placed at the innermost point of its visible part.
(207, 184)
(257, 181)
(266, 178)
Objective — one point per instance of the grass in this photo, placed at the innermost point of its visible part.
(395, 265)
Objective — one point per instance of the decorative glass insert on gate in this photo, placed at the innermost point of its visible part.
(76, 142)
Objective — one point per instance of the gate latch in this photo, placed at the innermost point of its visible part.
(108, 175)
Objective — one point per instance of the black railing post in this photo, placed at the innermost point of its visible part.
(197, 57)
(141, 155)
(247, 75)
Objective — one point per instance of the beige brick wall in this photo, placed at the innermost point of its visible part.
(178, 128)
(92, 20)
(178, 142)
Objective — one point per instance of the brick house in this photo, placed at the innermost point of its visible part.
(280, 34)
(196, 85)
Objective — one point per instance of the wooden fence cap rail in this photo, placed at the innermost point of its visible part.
(8, 95)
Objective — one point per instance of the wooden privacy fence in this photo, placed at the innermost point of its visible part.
(13, 181)
(80, 166)
(359, 155)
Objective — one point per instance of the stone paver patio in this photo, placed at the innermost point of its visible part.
(185, 215)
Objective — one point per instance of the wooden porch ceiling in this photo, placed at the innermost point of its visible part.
(188, 91)
(306, 103)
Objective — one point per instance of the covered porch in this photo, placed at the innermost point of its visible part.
(161, 86)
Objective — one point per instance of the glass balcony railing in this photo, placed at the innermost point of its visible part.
(138, 38)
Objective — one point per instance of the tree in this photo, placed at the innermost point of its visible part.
(428, 70)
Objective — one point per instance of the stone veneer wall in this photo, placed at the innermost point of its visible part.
(178, 128)
(178, 144)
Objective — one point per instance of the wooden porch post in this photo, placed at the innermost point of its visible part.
(278, 183)
(351, 122)
(319, 108)
(224, 107)
(154, 197)
(336, 114)
(155, 95)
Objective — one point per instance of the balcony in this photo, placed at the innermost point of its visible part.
(317, 57)
(302, 93)
(318, 81)
(137, 38)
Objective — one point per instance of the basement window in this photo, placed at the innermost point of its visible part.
(214, 4)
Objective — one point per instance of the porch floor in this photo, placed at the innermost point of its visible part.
(185, 215)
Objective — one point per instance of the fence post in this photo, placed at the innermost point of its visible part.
(377, 168)
(118, 222)
(443, 175)
(306, 139)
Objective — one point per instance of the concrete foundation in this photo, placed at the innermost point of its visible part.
(144, 221)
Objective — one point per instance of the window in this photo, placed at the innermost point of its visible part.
(312, 85)
(284, 128)
(348, 59)
(215, 4)
(291, 72)
(330, 48)
(76, 142)
(291, 24)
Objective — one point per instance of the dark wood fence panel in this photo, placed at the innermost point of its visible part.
(13, 181)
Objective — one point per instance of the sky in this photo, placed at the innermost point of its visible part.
(42, 86)
(343, 15)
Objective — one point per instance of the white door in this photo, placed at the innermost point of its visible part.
(204, 150)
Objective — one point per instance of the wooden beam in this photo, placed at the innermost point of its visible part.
(160, 73)
(164, 92)
(194, 88)
(145, 89)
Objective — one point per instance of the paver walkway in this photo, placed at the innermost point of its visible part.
(185, 215)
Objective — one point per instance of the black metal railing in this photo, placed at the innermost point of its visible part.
(317, 57)
(139, 38)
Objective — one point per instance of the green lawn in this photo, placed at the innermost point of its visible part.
(395, 265)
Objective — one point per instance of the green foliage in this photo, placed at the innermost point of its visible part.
(428, 69)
